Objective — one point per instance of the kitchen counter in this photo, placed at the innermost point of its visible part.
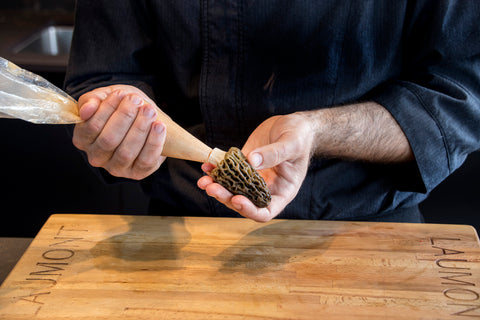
(132, 267)
(16, 26)
(11, 249)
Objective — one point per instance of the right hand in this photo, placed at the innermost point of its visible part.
(280, 148)
(120, 132)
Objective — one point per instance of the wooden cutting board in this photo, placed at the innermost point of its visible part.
(136, 267)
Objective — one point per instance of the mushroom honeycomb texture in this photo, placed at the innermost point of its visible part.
(239, 177)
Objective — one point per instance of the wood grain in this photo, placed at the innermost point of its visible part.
(136, 267)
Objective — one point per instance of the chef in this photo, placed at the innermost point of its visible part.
(350, 110)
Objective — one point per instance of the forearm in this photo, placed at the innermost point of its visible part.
(365, 132)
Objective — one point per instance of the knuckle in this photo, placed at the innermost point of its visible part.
(86, 97)
(130, 105)
(141, 129)
(106, 143)
(262, 217)
(156, 139)
(112, 100)
(142, 168)
(100, 93)
(93, 126)
(95, 161)
(154, 144)
(116, 172)
(128, 112)
(119, 91)
(124, 155)
(142, 165)
(277, 155)
(78, 142)
(137, 176)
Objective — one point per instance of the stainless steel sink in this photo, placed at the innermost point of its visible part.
(50, 41)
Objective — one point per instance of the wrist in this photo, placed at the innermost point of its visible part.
(315, 121)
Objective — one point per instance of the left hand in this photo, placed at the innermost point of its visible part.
(280, 149)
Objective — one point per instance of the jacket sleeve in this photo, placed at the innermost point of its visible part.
(436, 100)
(112, 44)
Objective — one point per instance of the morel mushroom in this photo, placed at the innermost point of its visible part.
(239, 177)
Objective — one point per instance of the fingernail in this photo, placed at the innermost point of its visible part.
(256, 160)
(136, 99)
(148, 112)
(158, 127)
(237, 206)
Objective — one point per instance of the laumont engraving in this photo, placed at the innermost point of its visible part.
(455, 274)
(51, 265)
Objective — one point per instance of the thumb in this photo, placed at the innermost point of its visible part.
(273, 154)
(87, 109)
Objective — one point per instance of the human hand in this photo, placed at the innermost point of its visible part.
(120, 132)
(280, 149)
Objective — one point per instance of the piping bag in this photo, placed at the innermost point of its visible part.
(27, 96)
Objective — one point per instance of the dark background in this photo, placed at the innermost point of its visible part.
(42, 173)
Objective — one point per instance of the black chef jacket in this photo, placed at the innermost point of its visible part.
(221, 67)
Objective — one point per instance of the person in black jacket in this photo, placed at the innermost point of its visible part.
(350, 110)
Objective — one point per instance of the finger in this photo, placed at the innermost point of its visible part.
(89, 102)
(88, 131)
(88, 105)
(273, 154)
(207, 167)
(239, 203)
(120, 122)
(150, 157)
(204, 181)
(115, 127)
(88, 108)
(134, 140)
(221, 194)
(248, 210)
(99, 93)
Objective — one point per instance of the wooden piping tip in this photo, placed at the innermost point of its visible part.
(215, 156)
